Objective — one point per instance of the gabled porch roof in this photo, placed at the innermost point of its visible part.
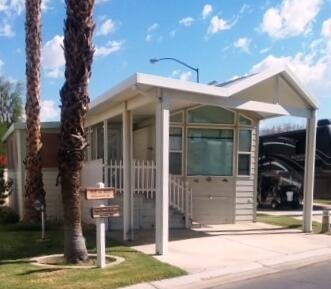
(274, 92)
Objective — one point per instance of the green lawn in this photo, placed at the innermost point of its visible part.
(285, 222)
(17, 244)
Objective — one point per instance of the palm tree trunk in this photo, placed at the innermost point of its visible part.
(78, 52)
(34, 188)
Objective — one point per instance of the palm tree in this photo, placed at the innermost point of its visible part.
(34, 188)
(78, 52)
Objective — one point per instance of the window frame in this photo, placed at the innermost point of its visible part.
(249, 153)
(245, 125)
(175, 113)
(177, 125)
(208, 127)
(209, 124)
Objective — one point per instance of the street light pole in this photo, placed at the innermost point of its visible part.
(196, 69)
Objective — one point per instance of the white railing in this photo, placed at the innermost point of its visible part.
(144, 182)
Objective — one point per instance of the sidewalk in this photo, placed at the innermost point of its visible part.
(226, 253)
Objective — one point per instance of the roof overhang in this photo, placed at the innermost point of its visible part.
(22, 126)
(241, 94)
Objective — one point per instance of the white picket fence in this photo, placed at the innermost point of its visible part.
(144, 182)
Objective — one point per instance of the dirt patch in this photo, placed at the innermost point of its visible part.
(58, 261)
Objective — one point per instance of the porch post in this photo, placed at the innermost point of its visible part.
(127, 163)
(105, 152)
(162, 175)
(309, 175)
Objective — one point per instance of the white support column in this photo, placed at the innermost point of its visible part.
(309, 175)
(105, 152)
(162, 176)
(127, 163)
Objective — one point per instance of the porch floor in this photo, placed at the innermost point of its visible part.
(223, 246)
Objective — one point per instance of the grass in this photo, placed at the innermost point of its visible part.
(322, 201)
(286, 222)
(18, 243)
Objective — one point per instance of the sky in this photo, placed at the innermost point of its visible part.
(224, 38)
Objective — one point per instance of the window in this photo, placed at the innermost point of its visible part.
(245, 140)
(175, 150)
(211, 114)
(243, 165)
(97, 141)
(177, 117)
(210, 152)
(244, 154)
(244, 120)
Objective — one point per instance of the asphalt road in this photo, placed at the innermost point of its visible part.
(316, 276)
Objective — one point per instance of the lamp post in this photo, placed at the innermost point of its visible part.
(154, 60)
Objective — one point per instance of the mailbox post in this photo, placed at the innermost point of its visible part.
(101, 213)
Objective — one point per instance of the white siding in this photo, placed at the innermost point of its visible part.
(245, 189)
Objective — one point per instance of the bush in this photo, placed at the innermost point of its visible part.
(8, 216)
(6, 187)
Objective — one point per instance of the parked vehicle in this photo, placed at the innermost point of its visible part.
(281, 166)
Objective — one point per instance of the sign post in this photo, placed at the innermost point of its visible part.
(100, 214)
(39, 206)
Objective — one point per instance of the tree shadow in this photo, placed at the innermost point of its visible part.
(44, 270)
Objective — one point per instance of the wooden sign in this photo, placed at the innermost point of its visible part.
(99, 193)
(105, 212)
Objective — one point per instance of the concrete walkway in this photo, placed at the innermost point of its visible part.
(298, 214)
(236, 250)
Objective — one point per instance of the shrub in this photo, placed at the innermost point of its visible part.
(8, 216)
(6, 187)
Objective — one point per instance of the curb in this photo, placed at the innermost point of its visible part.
(246, 271)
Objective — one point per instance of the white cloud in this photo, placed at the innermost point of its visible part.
(326, 28)
(49, 111)
(182, 75)
(243, 44)
(313, 67)
(206, 11)
(53, 57)
(291, 18)
(106, 27)
(151, 32)
(264, 50)
(187, 21)
(217, 24)
(245, 7)
(110, 48)
(16, 7)
(101, 1)
(154, 26)
(1, 66)
(172, 33)
(6, 30)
